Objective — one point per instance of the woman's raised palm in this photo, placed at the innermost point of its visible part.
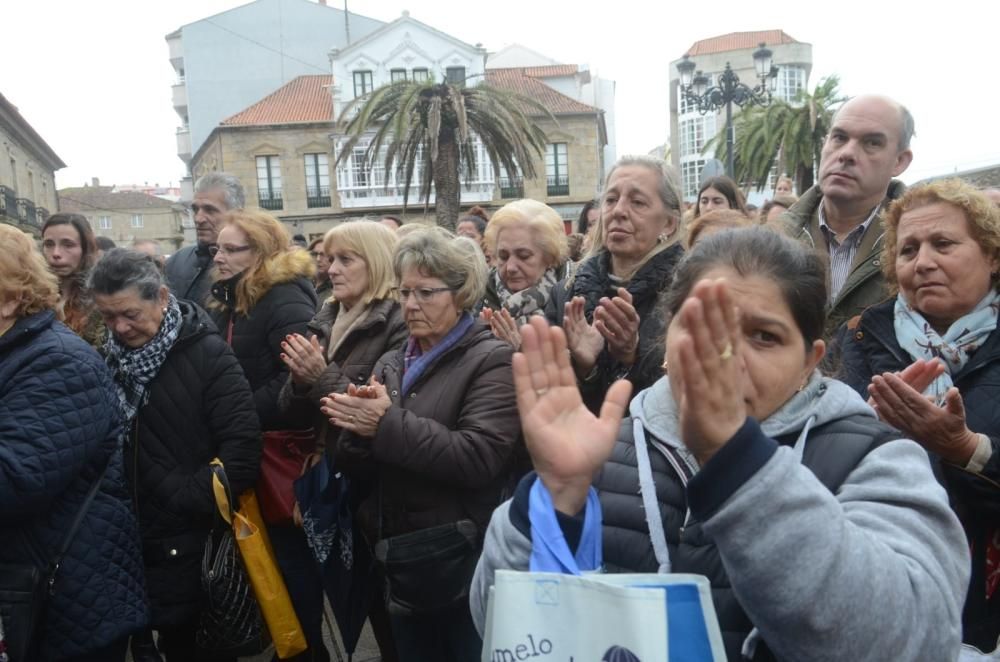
(568, 444)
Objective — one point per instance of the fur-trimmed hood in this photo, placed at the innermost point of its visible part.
(244, 290)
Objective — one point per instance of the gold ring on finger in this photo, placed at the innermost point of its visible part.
(727, 353)
(541, 391)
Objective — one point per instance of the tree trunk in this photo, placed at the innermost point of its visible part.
(446, 181)
(803, 179)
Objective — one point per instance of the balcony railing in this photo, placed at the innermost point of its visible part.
(377, 195)
(558, 185)
(26, 212)
(512, 187)
(270, 201)
(318, 197)
(8, 203)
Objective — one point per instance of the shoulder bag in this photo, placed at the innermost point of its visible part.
(25, 589)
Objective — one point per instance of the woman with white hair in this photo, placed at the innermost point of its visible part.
(441, 427)
(528, 243)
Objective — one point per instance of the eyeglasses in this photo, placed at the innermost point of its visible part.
(423, 294)
(226, 250)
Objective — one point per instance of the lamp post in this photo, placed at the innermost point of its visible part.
(696, 89)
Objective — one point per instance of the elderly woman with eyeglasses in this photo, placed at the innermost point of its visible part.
(441, 428)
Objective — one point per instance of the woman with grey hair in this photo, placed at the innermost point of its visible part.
(184, 401)
(608, 308)
(440, 425)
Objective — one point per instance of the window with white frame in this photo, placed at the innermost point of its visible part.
(317, 168)
(397, 75)
(268, 177)
(421, 75)
(557, 168)
(690, 174)
(104, 222)
(791, 81)
(137, 220)
(362, 83)
(694, 133)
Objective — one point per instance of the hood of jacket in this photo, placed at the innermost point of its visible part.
(288, 266)
(822, 400)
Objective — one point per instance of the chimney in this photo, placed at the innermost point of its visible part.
(94, 181)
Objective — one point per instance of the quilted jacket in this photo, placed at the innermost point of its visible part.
(59, 427)
(286, 308)
(199, 407)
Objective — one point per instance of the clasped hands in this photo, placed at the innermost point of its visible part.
(898, 400)
(616, 324)
(359, 410)
(568, 444)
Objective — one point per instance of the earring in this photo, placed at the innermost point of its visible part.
(665, 368)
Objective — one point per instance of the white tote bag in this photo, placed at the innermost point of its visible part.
(601, 618)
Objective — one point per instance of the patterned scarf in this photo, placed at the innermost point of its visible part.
(135, 368)
(415, 361)
(965, 335)
(529, 301)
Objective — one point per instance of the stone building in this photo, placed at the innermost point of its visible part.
(125, 216)
(224, 63)
(27, 172)
(690, 130)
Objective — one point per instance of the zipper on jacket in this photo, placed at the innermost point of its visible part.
(135, 465)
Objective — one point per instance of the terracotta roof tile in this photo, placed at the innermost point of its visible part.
(304, 99)
(545, 71)
(87, 199)
(519, 81)
(739, 40)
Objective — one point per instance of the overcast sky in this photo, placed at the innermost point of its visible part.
(93, 77)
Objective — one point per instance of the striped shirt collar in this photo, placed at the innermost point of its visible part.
(854, 235)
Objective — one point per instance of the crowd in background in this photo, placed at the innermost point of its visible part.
(796, 402)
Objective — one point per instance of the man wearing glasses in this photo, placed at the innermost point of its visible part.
(188, 271)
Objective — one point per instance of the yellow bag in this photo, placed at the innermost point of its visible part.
(265, 577)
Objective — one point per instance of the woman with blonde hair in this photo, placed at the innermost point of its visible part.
(262, 295)
(59, 439)
(361, 322)
(528, 244)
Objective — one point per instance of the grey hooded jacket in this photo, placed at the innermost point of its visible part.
(876, 571)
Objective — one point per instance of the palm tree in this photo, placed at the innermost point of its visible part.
(434, 125)
(789, 134)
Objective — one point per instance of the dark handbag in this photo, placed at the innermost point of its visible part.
(282, 459)
(230, 622)
(25, 590)
(429, 570)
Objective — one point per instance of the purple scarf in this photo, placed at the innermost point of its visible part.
(415, 362)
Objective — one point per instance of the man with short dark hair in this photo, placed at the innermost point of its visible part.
(867, 146)
(188, 271)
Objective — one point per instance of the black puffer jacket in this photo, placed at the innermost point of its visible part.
(869, 348)
(189, 274)
(199, 407)
(593, 281)
(59, 427)
(286, 308)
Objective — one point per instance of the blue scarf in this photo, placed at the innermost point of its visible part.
(549, 551)
(965, 335)
(415, 362)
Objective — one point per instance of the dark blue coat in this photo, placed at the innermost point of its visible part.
(59, 426)
(869, 347)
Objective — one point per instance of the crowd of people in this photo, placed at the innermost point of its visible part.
(796, 404)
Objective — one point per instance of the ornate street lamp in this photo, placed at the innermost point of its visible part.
(695, 88)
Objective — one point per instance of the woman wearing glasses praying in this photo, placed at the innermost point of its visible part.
(263, 293)
(441, 427)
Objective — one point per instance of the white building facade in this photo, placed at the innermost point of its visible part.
(404, 49)
(690, 130)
